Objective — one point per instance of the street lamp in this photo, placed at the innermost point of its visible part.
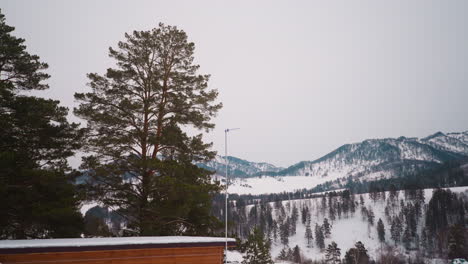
(227, 185)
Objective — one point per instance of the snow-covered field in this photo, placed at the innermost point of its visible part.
(267, 184)
(346, 231)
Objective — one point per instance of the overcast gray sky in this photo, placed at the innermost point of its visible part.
(299, 78)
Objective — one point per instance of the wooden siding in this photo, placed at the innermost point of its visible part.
(184, 255)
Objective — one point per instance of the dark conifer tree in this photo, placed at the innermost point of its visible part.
(284, 232)
(396, 229)
(304, 214)
(297, 255)
(37, 194)
(257, 249)
(381, 230)
(333, 253)
(457, 243)
(357, 254)
(407, 238)
(370, 216)
(308, 234)
(319, 237)
(326, 228)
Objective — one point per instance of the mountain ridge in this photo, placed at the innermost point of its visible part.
(387, 157)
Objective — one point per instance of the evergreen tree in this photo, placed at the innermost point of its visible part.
(140, 159)
(381, 231)
(357, 255)
(333, 253)
(396, 229)
(284, 232)
(297, 255)
(308, 234)
(331, 212)
(319, 237)
(37, 194)
(294, 215)
(370, 216)
(283, 255)
(456, 242)
(304, 214)
(407, 238)
(257, 249)
(326, 228)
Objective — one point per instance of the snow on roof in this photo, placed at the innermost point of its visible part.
(110, 241)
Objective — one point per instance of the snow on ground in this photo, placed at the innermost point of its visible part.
(268, 184)
(345, 231)
(234, 256)
(86, 206)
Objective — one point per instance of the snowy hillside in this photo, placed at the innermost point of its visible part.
(372, 155)
(348, 227)
(368, 160)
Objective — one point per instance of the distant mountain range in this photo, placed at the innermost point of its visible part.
(369, 159)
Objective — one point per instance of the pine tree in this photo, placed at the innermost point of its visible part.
(331, 212)
(257, 249)
(370, 216)
(357, 255)
(284, 232)
(319, 237)
(304, 214)
(381, 231)
(308, 234)
(326, 228)
(37, 194)
(283, 255)
(297, 255)
(396, 229)
(456, 242)
(333, 253)
(407, 238)
(140, 159)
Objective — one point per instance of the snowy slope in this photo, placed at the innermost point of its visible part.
(371, 159)
(345, 231)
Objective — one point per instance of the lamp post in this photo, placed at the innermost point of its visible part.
(227, 185)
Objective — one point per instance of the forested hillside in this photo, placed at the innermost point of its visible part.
(407, 224)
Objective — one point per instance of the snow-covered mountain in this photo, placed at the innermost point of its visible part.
(384, 157)
(368, 160)
(238, 167)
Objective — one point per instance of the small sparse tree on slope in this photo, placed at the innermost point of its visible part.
(257, 249)
(308, 234)
(381, 230)
(297, 255)
(333, 253)
(396, 229)
(326, 228)
(319, 237)
(141, 160)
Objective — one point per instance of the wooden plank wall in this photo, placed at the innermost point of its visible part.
(131, 256)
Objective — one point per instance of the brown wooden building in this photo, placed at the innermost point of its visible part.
(118, 250)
